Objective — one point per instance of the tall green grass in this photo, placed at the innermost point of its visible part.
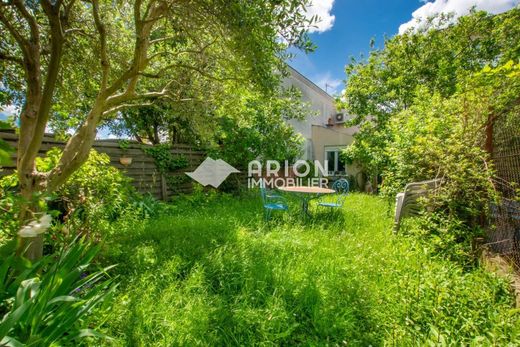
(214, 273)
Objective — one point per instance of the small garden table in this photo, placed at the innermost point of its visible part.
(306, 194)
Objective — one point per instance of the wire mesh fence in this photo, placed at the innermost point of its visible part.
(503, 235)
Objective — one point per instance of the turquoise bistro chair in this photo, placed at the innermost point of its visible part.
(272, 202)
(341, 187)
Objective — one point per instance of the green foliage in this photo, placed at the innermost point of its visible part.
(426, 105)
(93, 198)
(253, 127)
(213, 273)
(436, 62)
(46, 303)
(241, 125)
(95, 195)
(9, 207)
(124, 145)
(165, 161)
(442, 138)
(146, 206)
(175, 181)
(446, 236)
(196, 47)
(432, 140)
(164, 121)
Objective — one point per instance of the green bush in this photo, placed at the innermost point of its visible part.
(46, 303)
(444, 138)
(97, 199)
(94, 197)
(9, 207)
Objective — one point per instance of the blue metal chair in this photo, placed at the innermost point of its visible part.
(269, 193)
(341, 187)
(272, 203)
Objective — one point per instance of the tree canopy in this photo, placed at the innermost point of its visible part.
(437, 60)
(85, 60)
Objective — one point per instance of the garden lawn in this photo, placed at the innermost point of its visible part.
(212, 272)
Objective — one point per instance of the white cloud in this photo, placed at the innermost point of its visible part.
(457, 7)
(9, 110)
(328, 83)
(322, 9)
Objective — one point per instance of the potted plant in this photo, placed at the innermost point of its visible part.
(125, 159)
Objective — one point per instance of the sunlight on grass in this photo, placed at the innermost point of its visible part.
(217, 274)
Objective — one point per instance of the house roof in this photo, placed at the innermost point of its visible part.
(298, 75)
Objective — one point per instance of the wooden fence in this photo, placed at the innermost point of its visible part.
(145, 176)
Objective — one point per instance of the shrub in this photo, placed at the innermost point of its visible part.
(9, 207)
(95, 200)
(45, 303)
(446, 138)
(96, 195)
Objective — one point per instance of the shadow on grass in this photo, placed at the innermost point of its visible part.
(220, 275)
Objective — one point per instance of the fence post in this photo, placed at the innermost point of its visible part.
(164, 188)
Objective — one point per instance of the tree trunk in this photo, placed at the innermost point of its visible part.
(29, 247)
(39, 94)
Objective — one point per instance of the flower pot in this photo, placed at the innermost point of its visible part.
(125, 161)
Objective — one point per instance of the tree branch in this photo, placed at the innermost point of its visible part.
(139, 61)
(77, 149)
(12, 58)
(51, 79)
(22, 41)
(125, 106)
(144, 96)
(105, 63)
(126, 96)
(31, 20)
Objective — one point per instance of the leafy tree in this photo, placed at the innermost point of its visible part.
(443, 138)
(161, 122)
(436, 59)
(251, 126)
(86, 60)
(240, 126)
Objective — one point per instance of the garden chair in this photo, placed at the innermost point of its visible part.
(341, 187)
(269, 193)
(407, 203)
(272, 203)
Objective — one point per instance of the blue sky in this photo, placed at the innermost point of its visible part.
(347, 26)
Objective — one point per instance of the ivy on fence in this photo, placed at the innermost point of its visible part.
(167, 163)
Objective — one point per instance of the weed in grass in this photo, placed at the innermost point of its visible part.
(215, 273)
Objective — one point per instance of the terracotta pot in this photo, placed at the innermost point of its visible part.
(125, 161)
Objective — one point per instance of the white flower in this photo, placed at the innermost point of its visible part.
(27, 231)
(45, 221)
(35, 228)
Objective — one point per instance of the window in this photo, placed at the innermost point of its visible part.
(334, 164)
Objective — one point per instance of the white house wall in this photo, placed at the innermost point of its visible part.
(319, 101)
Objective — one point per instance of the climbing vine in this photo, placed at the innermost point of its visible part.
(167, 163)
